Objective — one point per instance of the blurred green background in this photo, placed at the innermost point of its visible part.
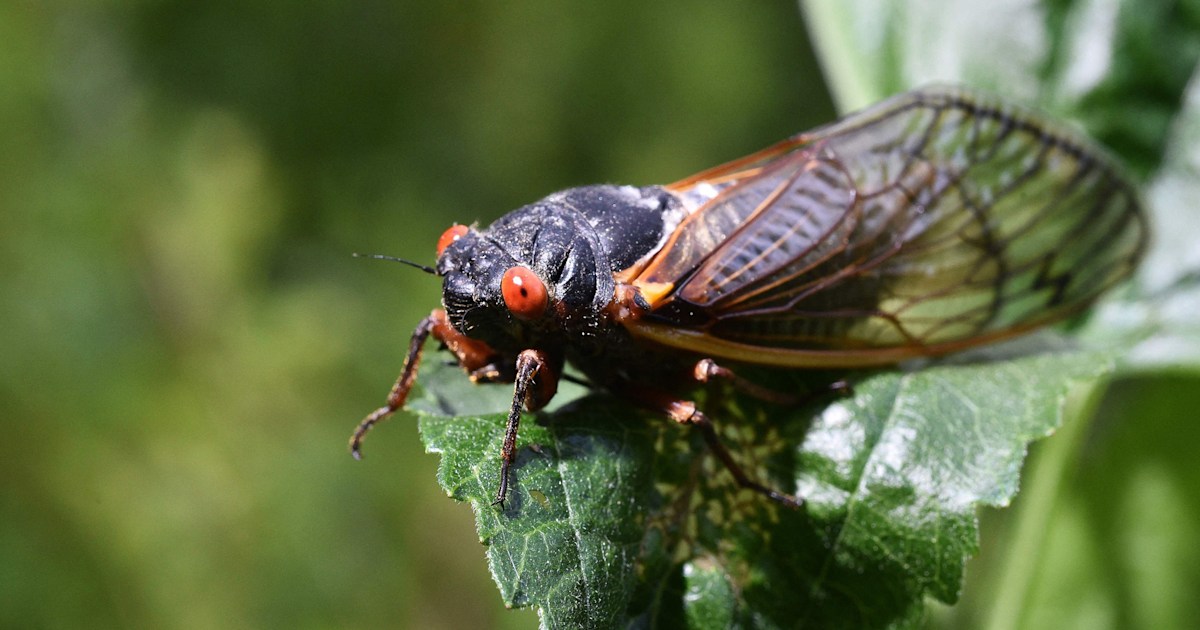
(185, 341)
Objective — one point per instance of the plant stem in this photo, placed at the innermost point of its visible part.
(1047, 474)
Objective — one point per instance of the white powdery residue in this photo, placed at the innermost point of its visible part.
(697, 196)
(893, 450)
(901, 459)
(835, 438)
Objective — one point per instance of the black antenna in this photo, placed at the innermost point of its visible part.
(428, 270)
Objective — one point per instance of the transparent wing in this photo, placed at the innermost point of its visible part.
(933, 221)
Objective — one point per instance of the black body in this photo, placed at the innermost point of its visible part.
(574, 240)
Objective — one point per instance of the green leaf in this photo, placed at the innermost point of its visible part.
(1127, 72)
(568, 538)
(618, 517)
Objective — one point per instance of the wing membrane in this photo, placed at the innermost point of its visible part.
(933, 221)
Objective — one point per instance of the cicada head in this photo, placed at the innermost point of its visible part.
(536, 274)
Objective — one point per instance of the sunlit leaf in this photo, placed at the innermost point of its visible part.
(617, 515)
(1126, 71)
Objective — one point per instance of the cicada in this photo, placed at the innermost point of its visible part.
(934, 221)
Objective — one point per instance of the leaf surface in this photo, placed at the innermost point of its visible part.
(616, 516)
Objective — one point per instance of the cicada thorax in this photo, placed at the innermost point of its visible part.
(564, 249)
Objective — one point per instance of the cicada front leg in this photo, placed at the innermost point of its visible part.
(476, 357)
(535, 384)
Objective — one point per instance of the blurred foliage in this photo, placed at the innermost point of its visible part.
(186, 340)
(1102, 533)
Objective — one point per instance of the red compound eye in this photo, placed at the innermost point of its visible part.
(452, 234)
(524, 293)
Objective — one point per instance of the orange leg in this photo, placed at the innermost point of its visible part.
(474, 356)
(533, 387)
(685, 412)
(535, 383)
(707, 370)
(399, 393)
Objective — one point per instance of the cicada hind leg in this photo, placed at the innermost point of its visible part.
(686, 412)
(708, 371)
